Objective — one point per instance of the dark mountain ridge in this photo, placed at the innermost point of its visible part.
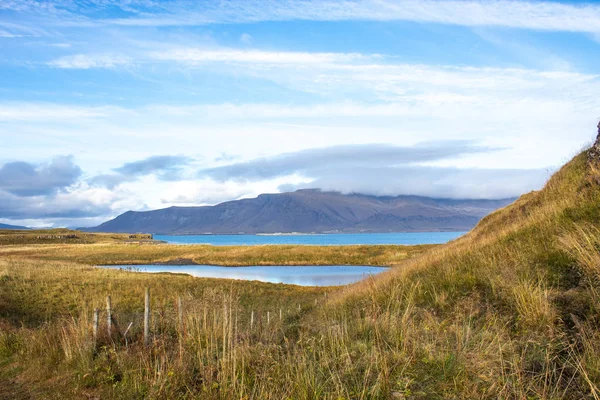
(309, 211)
(12, 227)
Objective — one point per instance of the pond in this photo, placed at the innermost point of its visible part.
(306, 275)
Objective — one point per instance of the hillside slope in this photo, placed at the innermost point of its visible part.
(310, 211)
(510, 310)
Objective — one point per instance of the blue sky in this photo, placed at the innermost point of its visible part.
(107, 106)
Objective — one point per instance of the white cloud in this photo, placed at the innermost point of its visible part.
(539, 15)
(12, 29)
(49, 112)
(5, 34)
(205, 192)
(536, 15)
(431, 182)
(193, 55)
(378, 77)
(543, 115)
(60, 45)
(75, 203)
(364, 90)
(87, 61)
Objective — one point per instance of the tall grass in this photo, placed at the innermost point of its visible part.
(107, 253)
(583, 244)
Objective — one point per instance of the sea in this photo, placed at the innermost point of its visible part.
(330, 239)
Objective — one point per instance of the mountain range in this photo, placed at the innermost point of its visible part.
(12, 227)
(309, 211)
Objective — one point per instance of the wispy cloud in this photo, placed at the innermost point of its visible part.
(154, 164)
(5, 34)
(166, 168)
(192, 55)
(385, 170)
(371, 155)
(440, 182)
(50, 111)
(539, 15)
(343, 73)
(198, 57)
(87, 61)
(363, 88)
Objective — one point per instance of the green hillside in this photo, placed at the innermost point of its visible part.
(511, 310)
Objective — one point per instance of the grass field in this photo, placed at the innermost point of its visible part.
(67, 236)
(49, 289)
(511, 310)
(111, 253)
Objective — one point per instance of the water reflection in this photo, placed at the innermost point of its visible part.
(331, 275)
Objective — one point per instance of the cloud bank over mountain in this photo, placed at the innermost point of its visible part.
(61, 190)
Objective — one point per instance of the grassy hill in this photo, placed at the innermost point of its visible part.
(508, 311)
(511, 310)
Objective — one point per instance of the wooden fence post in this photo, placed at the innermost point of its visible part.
(147, 317)
(251, 319)
(280, 314)
(95, 326)
(268, 317)
(108, 316)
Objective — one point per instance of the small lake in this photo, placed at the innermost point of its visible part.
(331, 239)
(330, 275)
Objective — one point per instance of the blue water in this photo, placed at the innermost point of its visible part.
(405, 238)
(331, 275)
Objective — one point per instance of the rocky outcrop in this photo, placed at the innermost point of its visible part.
(594, 153)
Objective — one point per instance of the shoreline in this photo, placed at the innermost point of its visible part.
(305, 233)
(184, 262)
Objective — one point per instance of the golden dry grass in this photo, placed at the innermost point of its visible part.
(144, 253)
(54, 236)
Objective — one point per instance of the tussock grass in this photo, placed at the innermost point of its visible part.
(511, 310)
(583, 244)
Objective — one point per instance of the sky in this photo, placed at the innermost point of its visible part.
(108, 106)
